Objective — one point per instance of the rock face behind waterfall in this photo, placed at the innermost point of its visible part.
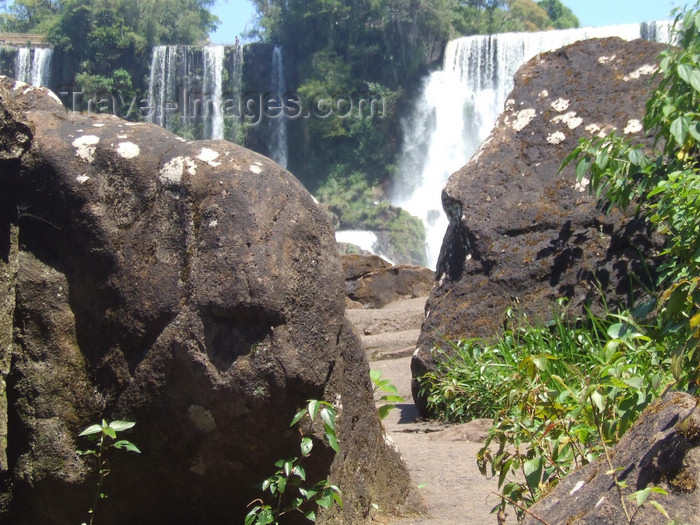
(192, 287)
(522, 233)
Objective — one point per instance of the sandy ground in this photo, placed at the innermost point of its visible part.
(440, 457)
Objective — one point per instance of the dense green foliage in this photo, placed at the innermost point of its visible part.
(664, 187)
(111, 40)
(563, 393)
(354, 50)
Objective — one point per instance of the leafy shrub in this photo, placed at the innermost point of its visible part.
(286, 485)
(559, 392)
(665, 187)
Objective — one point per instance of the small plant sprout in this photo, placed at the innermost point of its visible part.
(392, 394)
(105, 436)
(288, 480)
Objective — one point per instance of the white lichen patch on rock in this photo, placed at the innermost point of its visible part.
(606, 60)
(556, 137)
(98, 125)
(122, 136)
(570, 119)
(171, 173)
(209, 156)
(543, 94)
(85, 147)
(128, 150)
(582, 185)
(510, 104)
(255, 169)
(202, 418)
(633, 126)
(214, 223)
(523, 118)
(82, 179)
(54, 97)
(560, 104)
(646, 69)
(593, 128)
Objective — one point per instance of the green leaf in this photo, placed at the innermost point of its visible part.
(533, 472)
(298, 416)
(92, 429)
(109, 431)
(598, 401)
(306, 445)
(384, 410)
(679, 130)
(333, 442)
(127, 445)
(314, 406)
(641, 496)
(119, 426)
(695, 80)
(328, 416)
(684, 71)
(393, 399)
(660, 508)
(375, 375)
(582, 168)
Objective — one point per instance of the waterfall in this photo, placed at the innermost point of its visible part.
(41, 66)
(459, 105)
(33, 65)
(23, 64)
(186, 89)
(278, 141)
(212, 89)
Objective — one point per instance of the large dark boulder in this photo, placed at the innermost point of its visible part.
(523, 233)
(661, 450)
(374, 283)
(192, 287)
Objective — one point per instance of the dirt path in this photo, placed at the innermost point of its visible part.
(441, 458)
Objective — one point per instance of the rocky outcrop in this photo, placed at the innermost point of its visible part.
(521, 231)
(374, 283)
(192, 287)
(661, 450)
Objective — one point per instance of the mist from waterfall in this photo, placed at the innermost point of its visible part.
(278, 141)
(459, 105)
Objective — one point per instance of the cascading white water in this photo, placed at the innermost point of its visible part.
(278, 143)
(158, 86)
(23, 64)
(186, 87)
(212, 88)
(459, 105)
(41, 66)
(33, 65)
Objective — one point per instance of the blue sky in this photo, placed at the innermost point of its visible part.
(235, 15)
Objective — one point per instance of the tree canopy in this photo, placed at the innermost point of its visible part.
(111, 40)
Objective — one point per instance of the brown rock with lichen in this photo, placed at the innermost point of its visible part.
(521, 231)
(655, 452)
(192, 287)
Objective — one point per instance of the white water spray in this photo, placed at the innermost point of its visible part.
(278, 143)
(459, 105)
(212, 87)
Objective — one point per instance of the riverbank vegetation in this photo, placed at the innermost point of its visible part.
(560, 393)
